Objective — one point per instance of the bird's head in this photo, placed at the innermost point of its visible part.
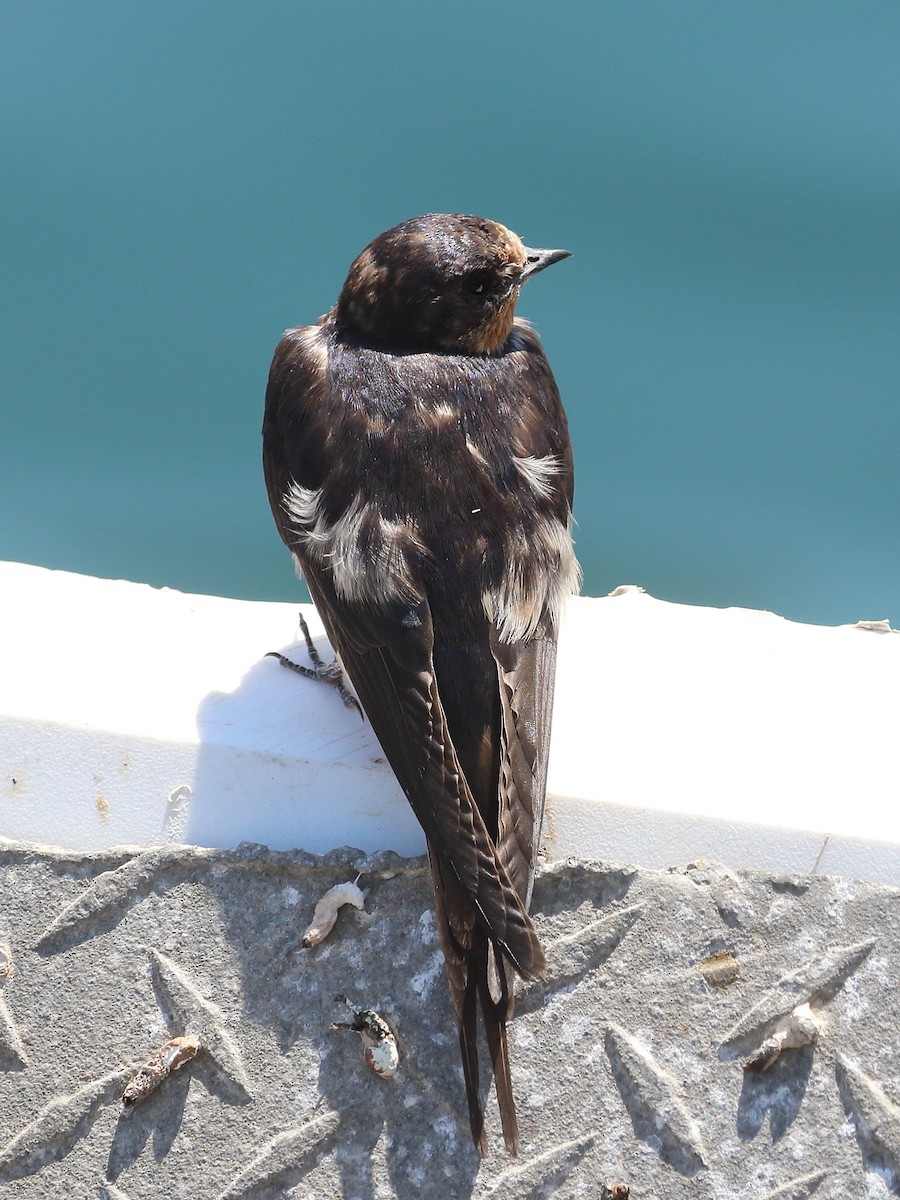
(439, 282)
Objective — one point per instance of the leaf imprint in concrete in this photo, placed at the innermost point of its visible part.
(572, 955)
(200, 1017)
(587, 948)
(651, 1096)
(876, 1118)
(106, 900)
(815, 982)
(799, 1189)
(541, 1173)
(59, 1126)
(285, 1159)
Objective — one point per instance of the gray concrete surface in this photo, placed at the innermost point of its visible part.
(627, 1059)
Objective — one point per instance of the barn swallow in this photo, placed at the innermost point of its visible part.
(418, 466)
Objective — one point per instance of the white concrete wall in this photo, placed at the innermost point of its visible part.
(135, 715)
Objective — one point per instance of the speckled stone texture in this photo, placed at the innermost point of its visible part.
(628, 1059)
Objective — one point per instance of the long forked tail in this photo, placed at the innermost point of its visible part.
(467, 1022)
(479, 977)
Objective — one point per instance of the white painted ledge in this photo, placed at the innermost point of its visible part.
(133, 715)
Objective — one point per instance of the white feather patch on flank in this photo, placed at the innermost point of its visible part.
(538, 473)
(541, 573)
(368, 555)
(302, 506)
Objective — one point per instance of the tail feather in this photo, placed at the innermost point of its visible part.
(495, 1017)
(468, 1045)
(480, 976)
(494, 1014)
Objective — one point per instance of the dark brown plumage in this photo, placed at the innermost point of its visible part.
(418, 466)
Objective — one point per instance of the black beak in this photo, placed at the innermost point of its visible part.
(536, 260)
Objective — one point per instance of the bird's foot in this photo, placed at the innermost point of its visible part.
(329, 673)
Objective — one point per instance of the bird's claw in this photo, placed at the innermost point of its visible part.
(329, 673)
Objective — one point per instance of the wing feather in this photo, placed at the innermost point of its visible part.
(392, 670)
(525, 673)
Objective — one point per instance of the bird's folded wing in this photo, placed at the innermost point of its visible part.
(525, 675)
(390, 664)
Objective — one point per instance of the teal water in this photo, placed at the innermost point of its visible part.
(183, 181)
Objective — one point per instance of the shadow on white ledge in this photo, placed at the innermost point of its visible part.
(136, 715)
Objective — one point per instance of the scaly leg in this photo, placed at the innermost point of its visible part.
(329, 673)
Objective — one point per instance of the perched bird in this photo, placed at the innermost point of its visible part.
(418, 465)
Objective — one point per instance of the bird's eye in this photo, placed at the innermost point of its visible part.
(477, 283)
